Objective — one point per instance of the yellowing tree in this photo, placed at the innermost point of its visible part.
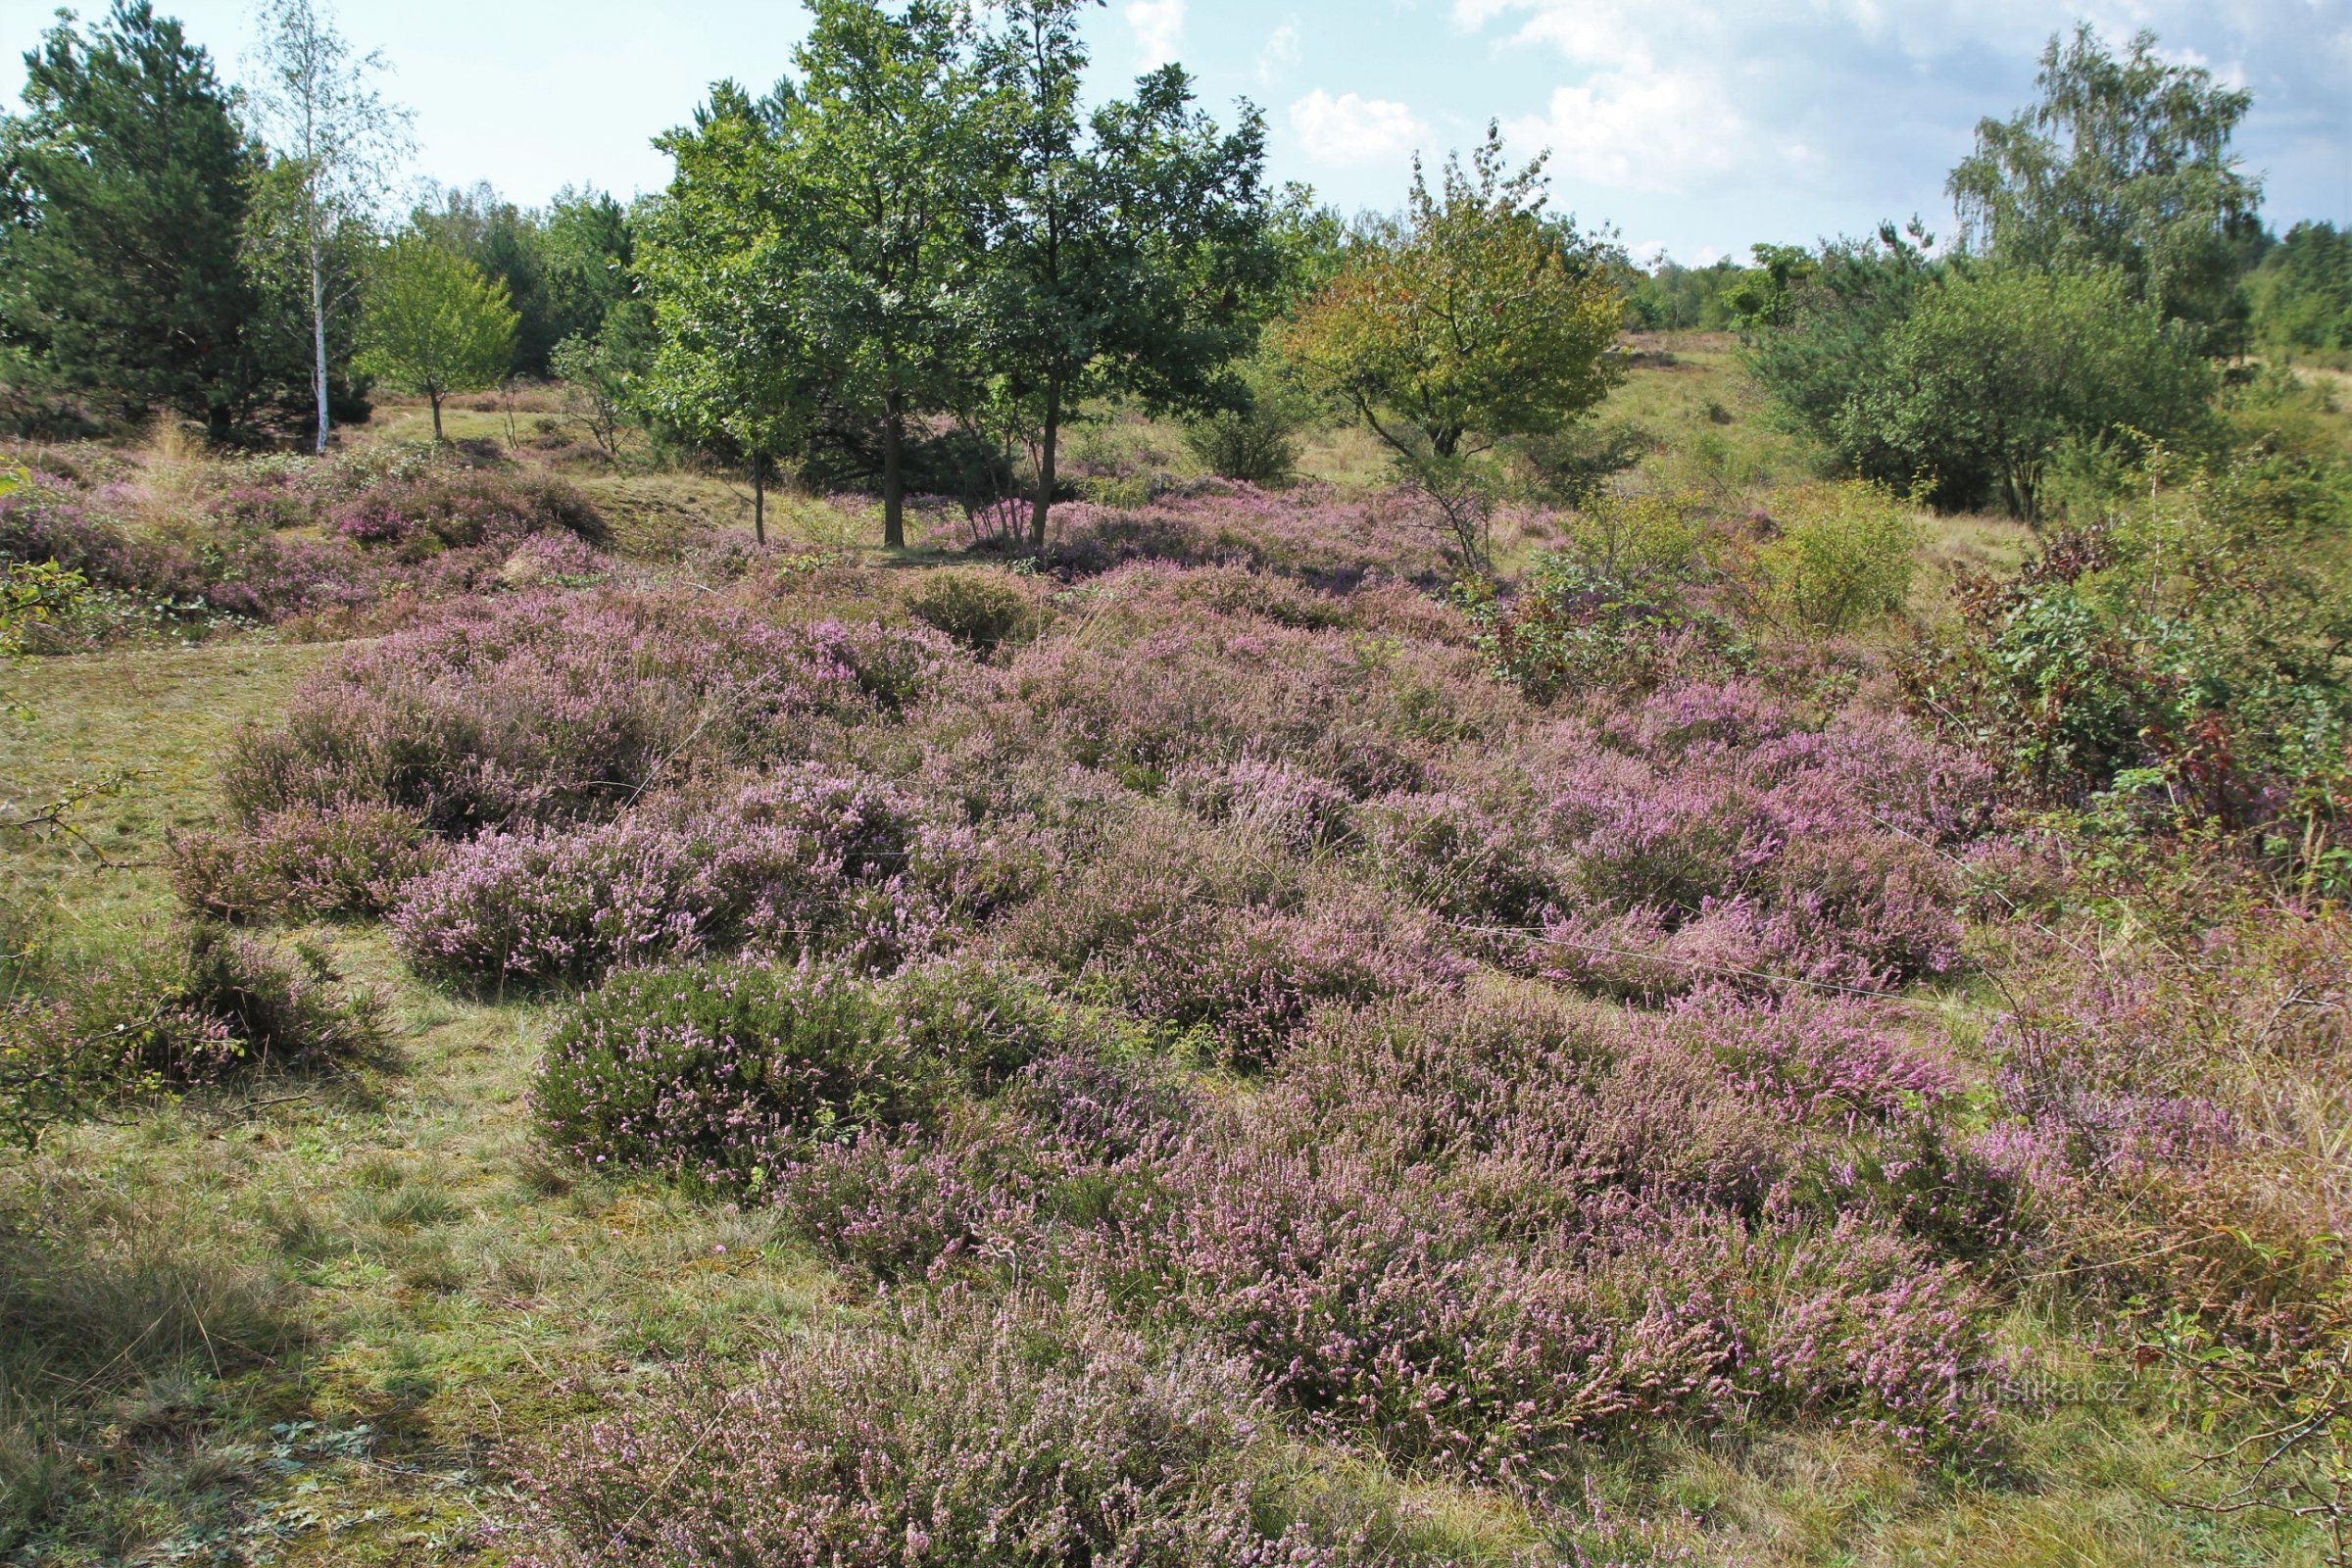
(434, 325)
(1477, 316)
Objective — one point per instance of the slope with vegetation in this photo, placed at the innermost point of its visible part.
(1563, 970)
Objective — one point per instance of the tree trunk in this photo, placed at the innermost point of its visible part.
(319, 338)
(1044, 465)
(759, 498)
(894, 478)
(436, 397)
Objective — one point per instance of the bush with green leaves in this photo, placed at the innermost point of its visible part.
(2188, 660)
(1570, 466)
(983, 611)
(1628, 599)
(728, 1073)
(1257, 442)
(1844, 555)
(1960, 380)
(201, 1004)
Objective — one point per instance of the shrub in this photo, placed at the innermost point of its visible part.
(979, 611)
(1709, 832)
(546, 705)
(2183, 665)
(1628, 600)
(306, 860)
(1453, 856)
(983, 1021)
(455, 509)
(202, 1005)
(1200, 931)
(726, 1073)
(1369, 1301)
(1844, 555)
(1256, 443)
(1018, 1434)
(1963, 379)
(811, 861)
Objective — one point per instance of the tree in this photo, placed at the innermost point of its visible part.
(2303, 291)
(1994, 368)
(126, 187)
(1127, 248)
(586, 242)
(2123, 165)
(883, 152)
(1474, 318)
(339, 143)
(434, 325)
(713, 256)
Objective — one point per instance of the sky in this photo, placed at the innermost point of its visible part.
(1691, 128)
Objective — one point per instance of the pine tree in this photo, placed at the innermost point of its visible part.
(125, 181)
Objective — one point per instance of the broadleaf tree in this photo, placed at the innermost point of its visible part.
(713, 256)
(884, 155)
(1129, 248)
(2122, 164)
(434, 325)
(1477, 316)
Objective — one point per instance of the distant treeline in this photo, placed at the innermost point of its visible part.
(917, 258)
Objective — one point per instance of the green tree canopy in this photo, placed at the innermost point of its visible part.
(2123, 165)
(1477, 316)
(2303, 291)
(712, 255)
(434, 325)
(338, 143)
(1995, 368)
(1128, 248)
(123, 186)
(886, 159)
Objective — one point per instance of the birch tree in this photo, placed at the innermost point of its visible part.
(317, 106)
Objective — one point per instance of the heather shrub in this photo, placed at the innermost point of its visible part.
(2175, 1106)
(1021, 1432)
(455, 508)
(546, 705)
(726, 1073)
(1818, 1061)
(1535, 1111)
(1288, 806)
(205, 1004)
(1369, 1301)
(981, 611)
(976, 1191)
(985, 1021)
(1201, 689)
(1307, 532)
(1706, 831)
(1065, 1145)
(807, 861)
(1201, 930)
(304, 862)
(1450, 855)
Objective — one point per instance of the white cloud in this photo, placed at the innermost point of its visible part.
(1641, 129)
(1158, 28)
(1352, 130)
(1281, 50)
